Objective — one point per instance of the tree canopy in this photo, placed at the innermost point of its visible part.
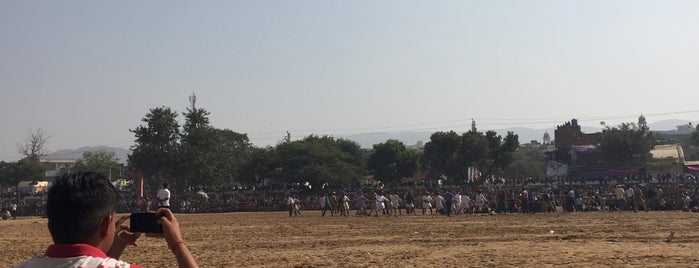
(626, 144)
(100, 161)
(157, 142)
(12, 173)
(210, 156)
(694, 139)
(450, 154)
(527, 161)
(196, 155)
(391, 161)
(316, 161)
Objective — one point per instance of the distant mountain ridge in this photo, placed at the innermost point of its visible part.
(526, 135)
(120, 153)
(367, 140)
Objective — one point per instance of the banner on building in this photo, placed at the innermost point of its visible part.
(554, 168)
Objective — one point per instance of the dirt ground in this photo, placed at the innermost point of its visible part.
(272, 239)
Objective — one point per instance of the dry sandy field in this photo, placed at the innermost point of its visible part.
(272, 239)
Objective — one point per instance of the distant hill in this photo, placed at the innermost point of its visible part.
(119, 153)
(669, 125)
(526, 135)
(367, 140)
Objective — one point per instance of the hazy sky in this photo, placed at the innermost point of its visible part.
(88, 71)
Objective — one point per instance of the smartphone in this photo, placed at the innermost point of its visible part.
(145, 223)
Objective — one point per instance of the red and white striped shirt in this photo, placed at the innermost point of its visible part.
(75, 256)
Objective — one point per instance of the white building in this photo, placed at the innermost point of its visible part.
(56, 167)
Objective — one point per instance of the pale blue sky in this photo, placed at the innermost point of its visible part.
(87, 71)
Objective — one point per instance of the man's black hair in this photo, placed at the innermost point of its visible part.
(76, 205)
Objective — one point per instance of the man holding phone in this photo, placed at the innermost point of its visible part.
(81, 210)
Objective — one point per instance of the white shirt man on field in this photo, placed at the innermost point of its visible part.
(164, 196)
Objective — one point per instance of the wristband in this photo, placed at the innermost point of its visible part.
(176, 243)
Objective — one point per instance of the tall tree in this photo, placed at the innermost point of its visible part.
(258, 167)
(100, 161)
(34, 146)
(155, 153)
(199, 152)
(501, 151)
(356, 156)
(475, 151)
(527, 161)
(209, 156)
(442, 153)
(627, 144)
(449, 154)
(319, 161)
(12, 173)
(391, 161)
(695, 137)
(235, 149)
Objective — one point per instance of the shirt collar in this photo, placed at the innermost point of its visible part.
(73, 250)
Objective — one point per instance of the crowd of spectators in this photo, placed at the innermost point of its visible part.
(662, 191)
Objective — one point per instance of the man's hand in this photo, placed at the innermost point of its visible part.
(123, 232)
(122, 237)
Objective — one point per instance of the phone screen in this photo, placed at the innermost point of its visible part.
(145, 223)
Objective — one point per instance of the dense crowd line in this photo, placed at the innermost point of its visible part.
(663, 191)
(672, 192)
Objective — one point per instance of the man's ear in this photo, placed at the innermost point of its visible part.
(105, 224)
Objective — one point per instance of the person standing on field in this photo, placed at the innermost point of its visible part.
(426, 203)
(381, 201)
(409, 203)
(639, 199)
(290, 202)
(164, 196)
(344, 204)
(14, 210)
(481, 202)
(395, 204)
(448, 202)
(327, 206)
(361, 204)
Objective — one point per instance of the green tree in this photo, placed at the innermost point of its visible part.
(442, 154)
(258, 167)
(210, 156)
(11, 173)
(203, 160)
(391, 161)
(319, 161)
(501, 151)
(695, 137)
(356, 156)
(449, 154)
(155, 153)
(627, 144)
(100, 161)
(234, 150)
(475, 152)
(527, 162)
